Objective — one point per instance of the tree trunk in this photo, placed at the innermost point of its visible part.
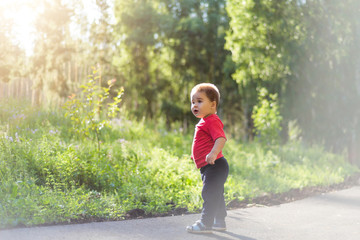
(35, 100)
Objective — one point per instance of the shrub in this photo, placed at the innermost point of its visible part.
(267, 119)
(48, 177)
(92, 111)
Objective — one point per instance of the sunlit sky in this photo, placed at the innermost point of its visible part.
(23, 17)
(23, 14)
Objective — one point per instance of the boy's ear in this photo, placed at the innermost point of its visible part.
(213, 104)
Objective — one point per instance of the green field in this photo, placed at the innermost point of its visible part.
(50, 175)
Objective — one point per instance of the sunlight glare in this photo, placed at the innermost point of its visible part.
(23, 14)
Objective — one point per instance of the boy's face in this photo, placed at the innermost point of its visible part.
(201, 106)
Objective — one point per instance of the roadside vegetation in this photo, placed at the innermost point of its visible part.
(287, 70)
(51, 172)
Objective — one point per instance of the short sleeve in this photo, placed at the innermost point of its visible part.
(216, 129)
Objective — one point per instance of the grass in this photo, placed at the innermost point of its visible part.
(50, 176)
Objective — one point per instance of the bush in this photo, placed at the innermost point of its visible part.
(267, 119)
(92, 110)
(48, 176)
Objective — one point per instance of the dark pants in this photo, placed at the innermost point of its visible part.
(214, 178)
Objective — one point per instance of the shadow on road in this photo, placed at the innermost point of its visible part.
(229, 236)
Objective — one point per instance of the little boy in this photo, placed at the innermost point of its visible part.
(209, 140)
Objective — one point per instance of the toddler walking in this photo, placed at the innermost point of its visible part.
(209, 140)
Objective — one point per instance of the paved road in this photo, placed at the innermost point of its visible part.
(332, 216)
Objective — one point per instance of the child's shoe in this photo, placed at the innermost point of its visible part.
(198, 227)
(219, 225)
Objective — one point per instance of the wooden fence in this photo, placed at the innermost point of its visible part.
(20, 88)
(24, 88)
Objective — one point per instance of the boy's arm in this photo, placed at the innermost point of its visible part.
(218, 146)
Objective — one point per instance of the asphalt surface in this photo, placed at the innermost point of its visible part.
(331, 216)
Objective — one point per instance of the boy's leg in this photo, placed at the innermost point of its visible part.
(214, 177)
(221, 213)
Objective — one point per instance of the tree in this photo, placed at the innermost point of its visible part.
(197, 39)
(52, 49)
(10, 54)
(307, 52)
(101, 39)
(263, 38)
(168, 46)
(137, 27)
(324, 94)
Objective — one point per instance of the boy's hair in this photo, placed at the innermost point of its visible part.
(211, 91)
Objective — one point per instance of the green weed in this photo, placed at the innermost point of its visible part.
(47, 176)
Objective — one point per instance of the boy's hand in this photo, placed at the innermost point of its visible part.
(219, 144)
(210, 158)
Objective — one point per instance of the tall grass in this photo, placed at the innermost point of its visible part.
(49, 176)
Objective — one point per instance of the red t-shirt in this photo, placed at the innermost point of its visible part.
(206, 132)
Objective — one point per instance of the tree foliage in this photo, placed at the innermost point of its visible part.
(263, 37)
(166, 47)
(52, 48)
(326, 86)
(267, 118)
(11, 56)
(304, 52)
